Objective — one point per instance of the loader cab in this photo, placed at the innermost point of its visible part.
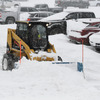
(34, 34)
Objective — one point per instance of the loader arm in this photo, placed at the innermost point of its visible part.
(12, 35)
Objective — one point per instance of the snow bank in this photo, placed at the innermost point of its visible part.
(44, 80)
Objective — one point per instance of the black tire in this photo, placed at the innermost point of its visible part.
(7, 63)
(98, 5)
(59, 58)
(97, 49)
(56, 31)
(10, 20)
(16, 5)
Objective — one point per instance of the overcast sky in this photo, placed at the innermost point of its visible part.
(33, 2)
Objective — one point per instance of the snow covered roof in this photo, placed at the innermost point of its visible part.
(40, 12)
(62, 15)
(58, 16)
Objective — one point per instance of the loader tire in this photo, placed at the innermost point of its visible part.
(7, 63)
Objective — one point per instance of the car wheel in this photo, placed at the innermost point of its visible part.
(7, 63)
(56, 31)
(16, 5)
(98, 5)
(10, 20)
(97, 49)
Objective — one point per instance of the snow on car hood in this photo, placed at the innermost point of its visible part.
(58, 16)
(74, 25)
(95, 38)
(78, 25)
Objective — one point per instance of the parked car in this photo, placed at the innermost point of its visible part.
(45, 7)
(8, 3)
(24, 12)
(72, 3)
(42, 7)
(78, 35)
(33, 16)
(63, 17)
(94, 41)
(9, 17)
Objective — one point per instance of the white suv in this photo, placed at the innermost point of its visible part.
(8, 3)
(94, 2)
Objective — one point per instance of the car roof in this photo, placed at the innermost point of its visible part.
(62, 15)
(41, 4)
(58, 16)
(27, 7)
(78, 10)
(40, 12)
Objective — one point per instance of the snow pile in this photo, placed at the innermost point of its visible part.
(44, 55)
(41, 80)
(75, 25)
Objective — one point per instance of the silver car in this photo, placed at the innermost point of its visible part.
(39, 15)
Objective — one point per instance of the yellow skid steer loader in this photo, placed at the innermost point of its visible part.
(30, 39)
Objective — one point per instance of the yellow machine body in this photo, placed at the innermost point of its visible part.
(25, 49)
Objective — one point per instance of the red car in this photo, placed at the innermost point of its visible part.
(78, 36)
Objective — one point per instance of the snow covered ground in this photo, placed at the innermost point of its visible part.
(47, 81)
(44, 80)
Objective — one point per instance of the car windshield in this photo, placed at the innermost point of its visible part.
(28, 9)
(32, 9)
(33, 15)
(24, 9)
(43, 6)
(37, 6)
